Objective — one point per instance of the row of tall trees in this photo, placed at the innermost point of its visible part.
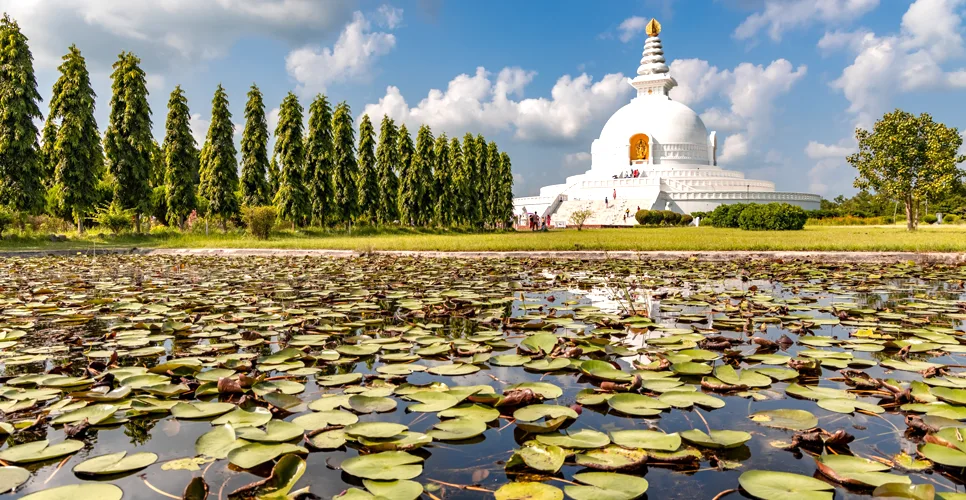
(321, 174)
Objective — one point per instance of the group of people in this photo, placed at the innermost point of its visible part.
(538, 223)
(628, 174)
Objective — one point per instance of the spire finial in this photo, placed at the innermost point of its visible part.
(653, 28)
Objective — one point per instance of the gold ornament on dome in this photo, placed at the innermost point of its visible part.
(639, 147)
(653, 28)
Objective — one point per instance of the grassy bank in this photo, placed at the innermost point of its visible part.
(854, 238)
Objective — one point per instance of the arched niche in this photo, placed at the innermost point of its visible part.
(639, 148)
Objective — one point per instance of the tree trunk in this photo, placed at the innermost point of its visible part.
(137, 222)
(224, 224)
(912, 217)
(80, 224)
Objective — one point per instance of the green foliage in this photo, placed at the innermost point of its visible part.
(345, 167)
(408, 178)
(909, 158)
(368, 177)
(387, 160)
(662, 218)
(950, 219)
(291, 200)
(76, 153)
(930, 219)
(274, 177)
(579, 217)
(180, 158)
(260, 220)
(772, 217)
(447, 198)
(158, 166)
(725, 215)
(159, 203)
(21, 170)
(504, 207)
(424, 196)
(6, 220)
(127, 142)
(219, 166)
(115, 218)
(478, 184)
(254, 151)
(318, 161)
(492, 179)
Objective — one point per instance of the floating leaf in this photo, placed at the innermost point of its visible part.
(717, 438)
(78, 492)
(847, 469)
(375, 430)
(38, 451)
(606, 485)
(646, 439)
(384, 466)
(200, 410)
(771, 485)
(394, 490)
(114, 463)
(239, 418)
(12, 477)
(797, 420)
(253, 454)
(612, 458)
(528, 491)
(457, 429)
(582, 439)
(637, 404)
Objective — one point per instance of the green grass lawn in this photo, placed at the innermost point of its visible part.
(841, 238)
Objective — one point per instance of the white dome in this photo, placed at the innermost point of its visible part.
(663, 120)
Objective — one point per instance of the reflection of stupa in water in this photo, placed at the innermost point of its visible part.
(657, 154)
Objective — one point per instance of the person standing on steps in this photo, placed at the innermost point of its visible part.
(615, 194)
(605, 203)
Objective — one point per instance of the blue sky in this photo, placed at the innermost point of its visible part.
(784, 82)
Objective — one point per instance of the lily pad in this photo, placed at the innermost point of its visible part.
(528, 491)
(772, 485)
(796, 420)
(384, 466)
(606, 486)
(717, 438)
(646, 439)
(38, 451)
(114, 463)
(78, 491)
(253, 454)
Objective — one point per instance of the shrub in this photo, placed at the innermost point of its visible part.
(7, 219)
(773, 216)
(578, 218)
(662, 217)
(950, 219)
(929, 219)
(686, 219)
(726, 215)
(114, 218)
(260, 221)
(702, 215)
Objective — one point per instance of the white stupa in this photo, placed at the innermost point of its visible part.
(656, 154)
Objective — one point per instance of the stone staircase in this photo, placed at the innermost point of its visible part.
(611, 215)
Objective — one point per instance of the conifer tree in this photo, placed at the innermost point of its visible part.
(76, 153)
(471, 209)
(345, 167)
(480, 184)
(48, 162)
(457, 182)
(274, 177)
(505, 213)
(387, 159)
(423, 164)
(127, 142)
(368, 177)
(180, 157)
(443, 181)
(291, 200)
(21, 182)
(318, 161)
(219, 170)
(254, 150)
(408, 179)
(493, 180)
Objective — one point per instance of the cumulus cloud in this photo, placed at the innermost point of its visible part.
(735, 148)
(819, 151)
(351, 57)
(830, 176)
(780, 16)
(577, 162)
(164, 33)
(910, 60)
(480, 102)
(199, 128)
(631, 28)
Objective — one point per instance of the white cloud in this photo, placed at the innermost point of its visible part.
(735, 148)
(750, 89)
(830, 177)
(477, 102)
(779, 16)
(631, 27)
(908, 61)
(169, 32)
(272, 120)
(199, 128)
(389, 16)
(577, 162)
(819, 151)
(350, 58)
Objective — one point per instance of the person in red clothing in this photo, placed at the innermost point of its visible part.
(615, 195)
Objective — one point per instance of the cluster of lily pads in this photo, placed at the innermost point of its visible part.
(589, 374)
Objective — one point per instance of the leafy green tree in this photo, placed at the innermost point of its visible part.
(180, 157)
(505, 208)
(457, 183)
(909, 158)
(480, 182)
(423, 164)
(387, 159)
(470, 179)
(493, 180)
(368, 177)
(21, 171)
(219, 168)
(318, 161)
(446, 198)
(254, 150)
(291, 200)
(408, 179)
(127, 142)
(77, 154)
(48, 161)
(345, 167)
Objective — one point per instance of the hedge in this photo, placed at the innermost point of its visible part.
(662, 218)
(772, 217)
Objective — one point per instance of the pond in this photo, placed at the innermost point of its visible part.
(306, 377)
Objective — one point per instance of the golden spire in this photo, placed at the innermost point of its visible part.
(653, 27)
